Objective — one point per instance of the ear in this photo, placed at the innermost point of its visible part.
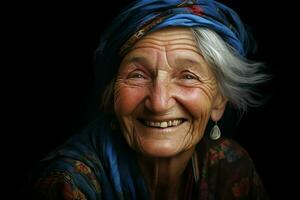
(218, 108)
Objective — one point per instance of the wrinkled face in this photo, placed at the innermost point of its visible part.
(165, 94)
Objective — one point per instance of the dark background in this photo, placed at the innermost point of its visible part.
(51, 62)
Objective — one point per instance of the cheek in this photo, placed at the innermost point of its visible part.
(127, 99)
(196, 101)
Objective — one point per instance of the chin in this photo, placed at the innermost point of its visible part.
(158, 149)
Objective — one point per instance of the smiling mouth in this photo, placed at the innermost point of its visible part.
(162, 124)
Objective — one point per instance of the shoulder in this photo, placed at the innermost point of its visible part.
(225, 150)
(228, 159)
(66, 179)
(229, 165)
(70, 171)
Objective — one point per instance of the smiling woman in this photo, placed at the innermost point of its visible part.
(173, 94)
(176, 66)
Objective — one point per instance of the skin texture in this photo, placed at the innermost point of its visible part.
(165, 78)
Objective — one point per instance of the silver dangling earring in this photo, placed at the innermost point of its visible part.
(215, 132)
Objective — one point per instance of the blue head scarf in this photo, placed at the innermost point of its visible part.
(144, 16)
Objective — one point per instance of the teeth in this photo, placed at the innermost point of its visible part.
(174, 123)
(163, 124)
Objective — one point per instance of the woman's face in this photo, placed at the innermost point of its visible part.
(165, 94)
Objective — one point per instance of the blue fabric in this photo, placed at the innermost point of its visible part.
(193, 13)
(107, 154)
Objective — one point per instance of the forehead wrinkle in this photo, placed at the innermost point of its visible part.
(144, 58)
(167, 48)
(148, 45)
(167, 45)
(164, 41)
(178, 48)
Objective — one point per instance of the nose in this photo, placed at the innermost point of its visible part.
(160, 98)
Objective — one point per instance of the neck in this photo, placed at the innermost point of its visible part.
(164, 175)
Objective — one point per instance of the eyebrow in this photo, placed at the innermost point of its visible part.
(188, 61)
(191, 63)
(139, 59)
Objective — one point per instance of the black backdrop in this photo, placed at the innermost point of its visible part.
(51, 62)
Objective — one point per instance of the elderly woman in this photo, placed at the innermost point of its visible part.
(166, 68)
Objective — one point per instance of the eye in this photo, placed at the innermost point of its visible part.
(186, 75)
(136, 74)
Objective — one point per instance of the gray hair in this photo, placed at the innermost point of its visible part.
(236, 76)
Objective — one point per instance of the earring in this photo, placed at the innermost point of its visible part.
(215, 132)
